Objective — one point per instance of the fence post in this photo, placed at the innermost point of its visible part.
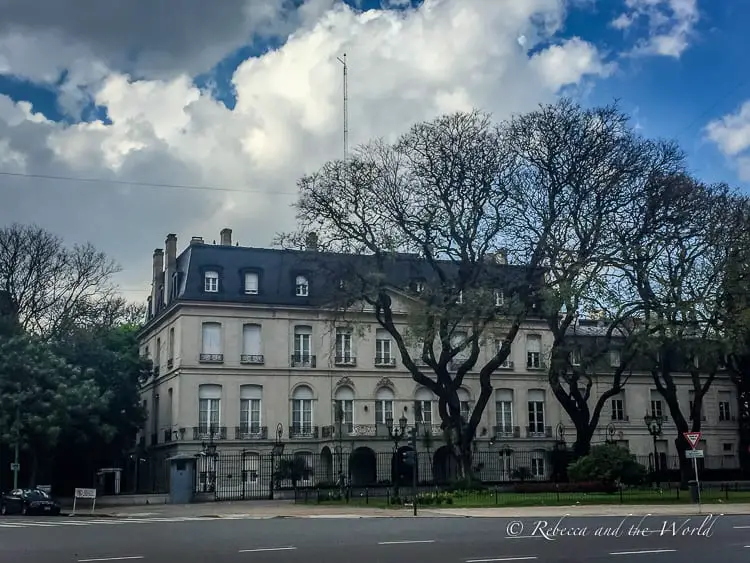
(621, 499)
(495, 496)
(557, 490)
(367, 495)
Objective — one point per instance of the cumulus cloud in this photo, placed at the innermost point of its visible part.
(731, 133)
(671, 25)
(404, 66)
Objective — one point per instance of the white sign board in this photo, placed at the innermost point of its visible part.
(85, 493)
(693, 454)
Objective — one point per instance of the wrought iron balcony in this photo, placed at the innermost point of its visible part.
(539, 431)
(204, 432)
(250, 432)
(167, 435)
(303, 361)
(507, 365)
(507, 431)
(303, 432)
(385, 362)
(211, 358)
(346, 360)
(257, 359)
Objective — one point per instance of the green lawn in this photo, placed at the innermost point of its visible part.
(501, 499)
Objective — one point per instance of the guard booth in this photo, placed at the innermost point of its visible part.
(181, 478)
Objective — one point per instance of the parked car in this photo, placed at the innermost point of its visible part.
(28, 501)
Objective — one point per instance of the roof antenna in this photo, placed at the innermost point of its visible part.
(342, 60)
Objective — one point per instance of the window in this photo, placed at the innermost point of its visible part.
(251, 466)
(251, 397)
(618, 409)
(656, 404)
(537, 465)
(419, 287)
(460, 298)
(209, 409)
(504, 412)
(384, 405)
(302, 410)
(344, 405)
(170, 353)
(507, 362)
(725, 413)
(533, 351)
(344, 346)
(458, 339)
(536, 412)
(301, 286)
(465, 404)
(252, 345)
(575, 357)
(383, 347)
(251, 283)
(499, 298)
(211, 350)
(614, 358)
(423, 407)
(211, 282)
(302, 345)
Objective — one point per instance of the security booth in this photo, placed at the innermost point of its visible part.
(181, 479)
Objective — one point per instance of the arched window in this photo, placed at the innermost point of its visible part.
(384, 405)
(302, 411)
(423, 406)
(251, 402)
(344, 406)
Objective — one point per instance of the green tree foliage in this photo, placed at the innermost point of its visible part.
(607, 464)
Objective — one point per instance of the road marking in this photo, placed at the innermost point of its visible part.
(261, 549)
(527, 558)
(130, 557)
(523, 537)
(742, 527)
(404, 542)
(643, 552)
(10, 526)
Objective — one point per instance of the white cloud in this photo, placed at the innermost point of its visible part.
(671, 25)
(404, 66)
(731, 133)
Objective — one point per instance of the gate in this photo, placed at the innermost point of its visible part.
(240, 476)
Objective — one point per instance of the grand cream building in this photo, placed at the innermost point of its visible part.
(241, 344)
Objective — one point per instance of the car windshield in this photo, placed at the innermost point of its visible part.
(35, 495)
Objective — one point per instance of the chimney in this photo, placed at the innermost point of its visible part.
(311, 242)
(226, 237)
(501, 257)
(157, 276)
(196, 240)
(171, 267)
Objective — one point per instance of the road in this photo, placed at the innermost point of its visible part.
(669, 539)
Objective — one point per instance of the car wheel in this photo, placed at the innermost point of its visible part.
(3, 510)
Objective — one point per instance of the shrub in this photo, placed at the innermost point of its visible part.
(582, 487)
(608, 464)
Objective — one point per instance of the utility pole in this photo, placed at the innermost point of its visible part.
(16, 449)
(414, 468)
(342, 60)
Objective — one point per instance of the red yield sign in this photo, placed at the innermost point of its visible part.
(693, 438)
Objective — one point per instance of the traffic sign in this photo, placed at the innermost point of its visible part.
(692, 438)
(694, 454)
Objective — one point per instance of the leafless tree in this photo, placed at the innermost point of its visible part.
(577, 172)
(439, 195)
(675, 258)
(52, 287)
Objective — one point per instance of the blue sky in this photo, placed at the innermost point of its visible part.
(246, 96)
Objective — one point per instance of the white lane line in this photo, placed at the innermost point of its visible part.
(128, 558)
(36, 525)
(10, 526)
(643, 552)
(404, 542)
(742, 527)
(263, 549)
(526, 558)
(523, 537)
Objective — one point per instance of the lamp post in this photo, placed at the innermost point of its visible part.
(276, 450)
(611, 430)
(396, 435)
(209, 452)
(340, 435)
(654, 424)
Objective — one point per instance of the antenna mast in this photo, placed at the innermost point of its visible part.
(346, 106)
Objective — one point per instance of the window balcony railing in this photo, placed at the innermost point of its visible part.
(206, 432)
(346, 360)
(250, 432)
(507, 431)
(211, 358)
(303, 361)
(507, 365)
(256, 359)
(303, 432)
(539, 431)
(385, 362)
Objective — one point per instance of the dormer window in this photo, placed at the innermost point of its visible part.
(419, 286)
(460, 298)
(301, 286)
(211, 282)
(251, 283)
(499, 298)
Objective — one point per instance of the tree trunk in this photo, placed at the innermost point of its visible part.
(584, 433)
(463, 455)
(686, 466)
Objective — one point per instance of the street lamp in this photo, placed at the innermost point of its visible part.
(209, 448)
(276, 450)
(396, 435)
(611, 430)
(654, 424)
(560, 435)
(340, 432)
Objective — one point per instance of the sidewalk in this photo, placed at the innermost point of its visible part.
(288, 509)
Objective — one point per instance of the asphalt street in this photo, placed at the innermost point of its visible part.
(663, 539)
